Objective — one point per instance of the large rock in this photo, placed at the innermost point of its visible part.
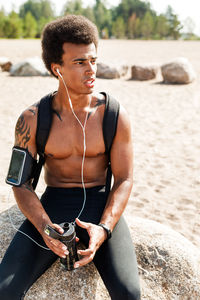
(145, 72)
(111, 71)
(32, 66)
(179, 70)
(168, 265)
(5, 64)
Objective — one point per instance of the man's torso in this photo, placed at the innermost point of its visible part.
(64, 150)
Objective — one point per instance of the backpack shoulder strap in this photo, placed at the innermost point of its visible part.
(109, 130)
(110, 121)
(44, 121)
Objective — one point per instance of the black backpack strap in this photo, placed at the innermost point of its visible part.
(44, 120)
(109, 130)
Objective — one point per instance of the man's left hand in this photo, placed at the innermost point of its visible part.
(97, 236)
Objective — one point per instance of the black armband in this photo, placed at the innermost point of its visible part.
(22, 167)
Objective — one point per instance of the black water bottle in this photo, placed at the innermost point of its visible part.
(68, 238)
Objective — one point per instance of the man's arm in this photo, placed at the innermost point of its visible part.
(122, 169)
(25, 196)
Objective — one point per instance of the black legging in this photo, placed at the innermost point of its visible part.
(115, 260)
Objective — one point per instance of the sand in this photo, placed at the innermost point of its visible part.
(165, 126)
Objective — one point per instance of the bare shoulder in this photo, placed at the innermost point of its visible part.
(25, 129)
(124, 125)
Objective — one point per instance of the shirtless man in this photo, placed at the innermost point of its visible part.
(69, 53)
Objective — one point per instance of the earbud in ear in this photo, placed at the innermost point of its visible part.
(57, 70)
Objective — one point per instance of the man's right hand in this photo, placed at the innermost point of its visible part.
(55, 245)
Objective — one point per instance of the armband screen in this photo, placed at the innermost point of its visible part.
(21, 167)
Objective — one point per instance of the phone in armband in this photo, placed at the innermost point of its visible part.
(21, 167)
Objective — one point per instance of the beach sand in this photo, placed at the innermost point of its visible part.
(165, 127)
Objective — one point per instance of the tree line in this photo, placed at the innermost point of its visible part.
(130, 19)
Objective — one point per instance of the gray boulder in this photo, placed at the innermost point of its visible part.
(145, 72)
(5, 64)
(179, 70)
(111, 71)
(32, 66)
(168, 266)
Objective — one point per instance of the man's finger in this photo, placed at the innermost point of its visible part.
(82, 224)
(84, 261)
(58, 228)
(85, 252)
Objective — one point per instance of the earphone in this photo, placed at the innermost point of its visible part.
(57, 70)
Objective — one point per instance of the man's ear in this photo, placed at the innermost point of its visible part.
(56, 69)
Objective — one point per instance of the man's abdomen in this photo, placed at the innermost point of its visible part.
(67, 172)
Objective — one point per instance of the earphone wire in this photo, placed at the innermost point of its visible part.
(83, 126)
(18, 230)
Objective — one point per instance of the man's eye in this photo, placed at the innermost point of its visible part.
(79, 63)
(93, 61)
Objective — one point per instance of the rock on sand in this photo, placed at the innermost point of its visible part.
(111, 71)
(5, 64)
(179, 70)
(169, 264)
(144, 72)
(32, 66)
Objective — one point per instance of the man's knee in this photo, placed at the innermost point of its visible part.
(127, 293)
(7, 293)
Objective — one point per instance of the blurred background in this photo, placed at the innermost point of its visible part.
(125, 19)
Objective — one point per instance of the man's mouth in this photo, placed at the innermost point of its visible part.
(90, 82)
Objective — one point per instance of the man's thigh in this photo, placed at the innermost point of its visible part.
(117, 264)
(23, 263)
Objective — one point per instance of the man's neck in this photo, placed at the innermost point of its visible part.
(79, 101)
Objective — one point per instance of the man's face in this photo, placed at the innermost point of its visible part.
(79, 67)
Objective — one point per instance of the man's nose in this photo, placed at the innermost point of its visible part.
(91, 68)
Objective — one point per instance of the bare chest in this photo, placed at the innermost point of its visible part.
(67, 138)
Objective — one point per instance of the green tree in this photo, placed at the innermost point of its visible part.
(103, 17)
(2, 21)
(174, 24)
(37, 8)
(41, 11)
(46, 10)
(131, 26)
(89, 13)
(147, 25)
(118, 28)
(40, 25)
(128, 7)
(161, 27)
(30, 26)
(13, 26)
(73, 7)
(137, 28)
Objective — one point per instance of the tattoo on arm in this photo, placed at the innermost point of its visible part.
(33, 111)
(99, 102)
(22, 132)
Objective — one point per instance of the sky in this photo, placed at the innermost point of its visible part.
(183, 8)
